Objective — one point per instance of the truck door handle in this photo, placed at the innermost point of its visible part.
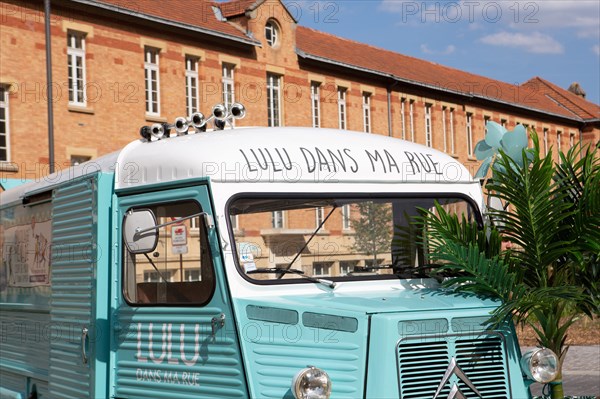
(84, 335)
(216, 323)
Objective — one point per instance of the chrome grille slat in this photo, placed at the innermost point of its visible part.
(422, 362)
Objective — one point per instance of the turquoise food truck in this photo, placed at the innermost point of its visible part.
(245, 263)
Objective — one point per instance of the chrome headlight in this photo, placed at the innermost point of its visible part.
(540, 364)
(311, 383)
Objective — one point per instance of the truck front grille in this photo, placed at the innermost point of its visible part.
(424, 361)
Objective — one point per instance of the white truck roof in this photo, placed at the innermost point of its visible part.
(285, 155)
(266, 155)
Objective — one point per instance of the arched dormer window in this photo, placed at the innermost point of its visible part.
(272, 33)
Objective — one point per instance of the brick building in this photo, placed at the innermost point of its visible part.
(119, 65)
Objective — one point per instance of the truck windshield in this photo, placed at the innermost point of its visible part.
(334, 238)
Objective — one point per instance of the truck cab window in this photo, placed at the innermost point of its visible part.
(179, 271)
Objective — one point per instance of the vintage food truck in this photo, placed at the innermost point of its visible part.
(245, 263)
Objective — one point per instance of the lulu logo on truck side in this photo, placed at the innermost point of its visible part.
(166, 352)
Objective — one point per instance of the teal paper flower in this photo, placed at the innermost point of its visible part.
(497, 137)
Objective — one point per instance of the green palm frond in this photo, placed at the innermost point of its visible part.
(538, 213)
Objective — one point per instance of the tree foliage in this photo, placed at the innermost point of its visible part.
(550, 275)
(372, 228)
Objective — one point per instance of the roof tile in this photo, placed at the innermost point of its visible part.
(198, 13)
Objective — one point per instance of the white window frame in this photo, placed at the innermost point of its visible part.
(411, 117)
(152, 276)
(192, 94)
(444, 128)
(273, 100)
(272, 28)
(277, 219)
(324, 266)
(228, 81)
(428, 126)
(342, 109)
(75, 53)
(403, 117)
(315, 102)
(452, 137)
(366, 112)
(187, 274)
(152, 107)
(571, 139)
(345, 268)
(235, 222)
(545, 141)
(558, 145)
(469, 132)
(346, 221)
(319, 215)
(4, 89)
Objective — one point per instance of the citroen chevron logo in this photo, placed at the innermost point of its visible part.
(455, 392)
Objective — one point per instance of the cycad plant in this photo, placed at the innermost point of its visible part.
(550, 274)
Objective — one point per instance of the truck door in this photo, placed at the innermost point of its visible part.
(173, 327)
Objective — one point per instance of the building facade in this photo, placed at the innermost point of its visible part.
(117, 66)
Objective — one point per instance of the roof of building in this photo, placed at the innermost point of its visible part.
(325, 46)
(196, 15)
(238, 7)
(577, 105)
(536, 94)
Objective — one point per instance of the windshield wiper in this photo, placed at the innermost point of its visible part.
(327, 283)
(309, 240)
(403, 271)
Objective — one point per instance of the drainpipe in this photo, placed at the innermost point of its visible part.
(49, 86)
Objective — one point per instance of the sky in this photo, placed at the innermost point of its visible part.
(509, 40)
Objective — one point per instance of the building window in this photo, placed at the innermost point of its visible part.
(191, 84)
(321, 269)
(571, 140)
(79, 159)
(228, 85)
(191, 275)
(558, 145)
(545, 141)
(428, 127)
(235, 221)
(342, 107)
(274, 99)
(452, 138)
(444, 128)
(347, 267)
(277, 219)
(486, 119)
(346, 217)
(403, 117)
(411, 119)
(4, 130)
(156, 277)
(320, 216)
(469, 134)
(76, 63)
(315, 101)
(367, 112)
(272, 33)
(152, 81)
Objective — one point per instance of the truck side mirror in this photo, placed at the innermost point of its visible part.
(140, 231)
